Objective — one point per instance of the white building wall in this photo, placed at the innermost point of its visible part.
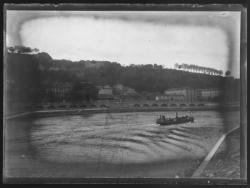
(176, 92)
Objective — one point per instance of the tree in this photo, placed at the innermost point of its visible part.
(228, 73)
(11, 49)
(22, 49)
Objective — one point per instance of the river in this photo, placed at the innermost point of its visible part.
(111, 145)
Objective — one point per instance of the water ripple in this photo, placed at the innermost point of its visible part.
(120, 137)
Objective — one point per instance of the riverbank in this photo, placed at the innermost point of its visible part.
(79, 111)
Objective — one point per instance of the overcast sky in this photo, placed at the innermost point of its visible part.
(210, 39)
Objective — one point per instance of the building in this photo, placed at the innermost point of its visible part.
(59, 90)
(170, 98)
(119, 87)
(182, 94)
(190, 94)
(209, 93)
(107, 87)
(176, 91)
(129, 91)
(105, 93)
(124, 92)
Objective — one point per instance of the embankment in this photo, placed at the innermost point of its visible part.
(80, 111)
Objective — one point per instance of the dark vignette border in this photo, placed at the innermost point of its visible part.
(171, 6)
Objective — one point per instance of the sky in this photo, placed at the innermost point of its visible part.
(210, 39)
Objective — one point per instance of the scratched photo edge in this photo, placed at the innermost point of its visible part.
(243, 99)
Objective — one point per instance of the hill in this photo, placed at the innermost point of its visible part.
(30, 73)
(152, 78)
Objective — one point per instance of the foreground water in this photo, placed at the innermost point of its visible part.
(119, 138)
(115, 138)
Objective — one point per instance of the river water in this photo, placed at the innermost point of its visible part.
(113, 138)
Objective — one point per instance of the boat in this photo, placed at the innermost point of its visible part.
(177, 120)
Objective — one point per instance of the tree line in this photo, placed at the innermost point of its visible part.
(31, 74)
(149, 78)
(22, 49)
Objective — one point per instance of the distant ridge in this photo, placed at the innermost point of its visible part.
(148, 78)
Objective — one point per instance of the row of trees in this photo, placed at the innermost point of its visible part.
(22, 49)
(199, 69)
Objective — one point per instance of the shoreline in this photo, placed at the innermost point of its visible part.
(81, 111)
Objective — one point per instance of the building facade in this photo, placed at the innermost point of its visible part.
(176, 91)
(209, 93)
(183, 94)
(59, 90)
(105, 93)
(170, 98)
(189, 94)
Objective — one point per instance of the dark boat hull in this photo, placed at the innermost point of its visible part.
(174, 121)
